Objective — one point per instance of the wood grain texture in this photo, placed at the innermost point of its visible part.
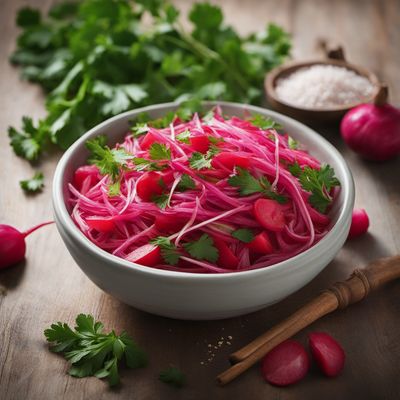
(50, 287)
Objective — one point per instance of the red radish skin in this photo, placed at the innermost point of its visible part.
(12, 244)
(149, 185)
(230, 160)
(327, 352)
(168, 223)
(101, 224)
(226, 258)
(261, 244)
(269, 214)
(286, 364)
(148, 140)
(359, 223)
(373, 130)
(200, 143)
(148, 255)
(83, 173)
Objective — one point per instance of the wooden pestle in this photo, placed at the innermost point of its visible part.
(339, 296)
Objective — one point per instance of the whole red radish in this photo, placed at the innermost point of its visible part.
(286, 364)
(327, 352)
(373, 130)
(359, 223)
(12, 244)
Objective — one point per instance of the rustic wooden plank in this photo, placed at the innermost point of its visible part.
(50, 287)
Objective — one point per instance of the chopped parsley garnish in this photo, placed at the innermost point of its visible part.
(161, 200)
(139, 129)
(169, 251)
(173, 376)
(200, 161)
(318, 182)
(244, 235)
(186, 183)
(184, 136)
(293, 144)
(248, 184)
(202, 249)
(159, 151)
(264, 122)
(34, 184)
(92, 352)
(144, 164)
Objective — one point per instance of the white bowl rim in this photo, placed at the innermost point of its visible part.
(63, 217)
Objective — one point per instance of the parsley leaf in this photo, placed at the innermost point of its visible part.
(202, 249)
(317, 181)
(199, 160)
(293, 144)
(169, 251)
(33, 185)
(244, 235)
(248, 184)
(159, 151)
(92, 352)
(161, 200)
(109, 161)
(139, 129)
(184, 136)
(186, 183)
(173, 376)
(144, 164)
(264, 122)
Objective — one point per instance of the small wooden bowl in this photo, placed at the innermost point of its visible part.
(307, 115)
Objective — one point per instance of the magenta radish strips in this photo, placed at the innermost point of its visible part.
(12, 244)
(206, 195)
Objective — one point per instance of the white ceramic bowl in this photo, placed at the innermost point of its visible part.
(201, 296)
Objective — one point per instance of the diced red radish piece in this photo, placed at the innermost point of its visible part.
(226, 258)
(261, 244)
(84, 172)
(167, 176)
(269, 214)
(101, 224)
(200, 143)
(359, 223)
(169, 223)
(148, 255)
(230, 160)
(149, 185)
(147, 141)
(285, 364)
(327, 352)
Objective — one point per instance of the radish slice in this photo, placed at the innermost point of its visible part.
(261, 244)
(230, 160)
(359, 223)
(327, 352)
(148, 255)
(226, 258)
(101, 224)
(84, 172)
(149, 185)
(286, 364)
(147, 141)
(200, 143)
(169, 223)
(269, 214)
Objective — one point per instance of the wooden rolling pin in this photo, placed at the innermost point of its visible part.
(339, 296)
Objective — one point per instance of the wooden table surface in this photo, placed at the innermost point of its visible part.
(49, 286)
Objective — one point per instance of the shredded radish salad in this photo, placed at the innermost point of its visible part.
(204, 194)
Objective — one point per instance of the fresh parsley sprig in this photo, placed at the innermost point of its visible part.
(202, 249)
(92, 352)
(248, 184)
(244, 235)
(169, 252)
(200, 161)
(173, 376)
(318, 182)
(34, 184)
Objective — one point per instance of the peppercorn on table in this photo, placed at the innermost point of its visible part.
(49, 287)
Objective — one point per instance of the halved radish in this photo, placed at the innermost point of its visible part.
(286, 363)
(226, 258)
(149, 185)
(101, 224)
(147, 141)
(261, 244)
(169, 223)
(85, 172)
(148, 254)
(269, 214)
(200, 143)
(327, 352)
(230, 160)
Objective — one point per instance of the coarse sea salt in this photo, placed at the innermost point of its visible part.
(323, 87)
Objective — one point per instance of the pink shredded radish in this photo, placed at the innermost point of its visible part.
(279, 221)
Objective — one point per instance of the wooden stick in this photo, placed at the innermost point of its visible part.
(339, 296)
